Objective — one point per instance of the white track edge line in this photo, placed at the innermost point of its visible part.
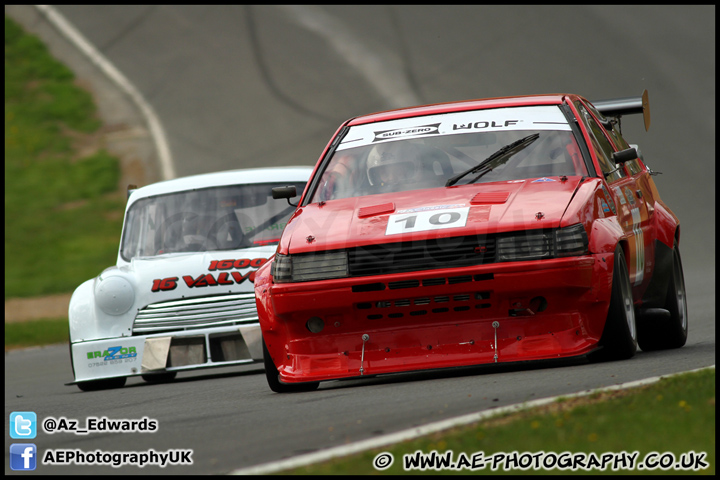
(156, 129)
(415, 432)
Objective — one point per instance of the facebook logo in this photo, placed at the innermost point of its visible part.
(23, 425)
(23, 456)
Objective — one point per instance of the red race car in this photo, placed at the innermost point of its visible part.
(496, 230)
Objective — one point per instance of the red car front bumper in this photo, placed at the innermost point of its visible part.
(503, 312)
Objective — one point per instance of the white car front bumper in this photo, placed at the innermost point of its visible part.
(168, 352)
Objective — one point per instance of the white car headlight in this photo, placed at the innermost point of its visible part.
(114, 295)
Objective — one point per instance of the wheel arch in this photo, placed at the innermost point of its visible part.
(667, 225)
(606, 234)
(654, 296)
(82, 316)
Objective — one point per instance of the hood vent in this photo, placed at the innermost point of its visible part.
(484, 198)
(376, 210)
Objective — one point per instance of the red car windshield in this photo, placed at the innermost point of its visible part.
(425, 152)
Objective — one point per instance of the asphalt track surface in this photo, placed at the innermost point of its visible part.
(246, 86)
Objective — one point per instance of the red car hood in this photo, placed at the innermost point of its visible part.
(493, 207)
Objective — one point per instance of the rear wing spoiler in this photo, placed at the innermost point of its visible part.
(618, 107)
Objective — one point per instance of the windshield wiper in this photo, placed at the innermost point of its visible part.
(505, 152)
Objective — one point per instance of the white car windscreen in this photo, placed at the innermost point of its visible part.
(211, 219)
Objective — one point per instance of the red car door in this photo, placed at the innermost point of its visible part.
(630, 202)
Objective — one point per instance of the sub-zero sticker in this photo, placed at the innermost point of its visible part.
(427, 220)
(407, 132)
(543, 180)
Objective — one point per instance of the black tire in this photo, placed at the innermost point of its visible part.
(619, 338)
(671, 332)
(105, 384)
(273, 378)
(163, 377)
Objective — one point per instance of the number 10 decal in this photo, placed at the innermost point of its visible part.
(427, 220)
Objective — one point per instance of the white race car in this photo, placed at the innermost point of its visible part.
(181, 295)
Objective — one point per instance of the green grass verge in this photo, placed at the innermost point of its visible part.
(35, 333)
(675, 415)
(63, 212)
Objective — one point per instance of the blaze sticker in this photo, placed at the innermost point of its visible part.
(209, 279)
(427, 220)
(113, 353)
(543, 180)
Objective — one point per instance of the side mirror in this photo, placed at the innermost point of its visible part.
(624, 155)
(285, 192)
(639, 153)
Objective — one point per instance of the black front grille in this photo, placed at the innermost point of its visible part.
(421, 255)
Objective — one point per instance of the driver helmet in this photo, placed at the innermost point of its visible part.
(393, 163)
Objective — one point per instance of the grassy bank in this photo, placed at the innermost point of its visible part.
(46, 331)
(63, 208)
(668, 419)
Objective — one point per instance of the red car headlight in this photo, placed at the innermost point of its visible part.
(306, 267)
(529, 245)
(282, 269)
(538, 245)
(571, 241)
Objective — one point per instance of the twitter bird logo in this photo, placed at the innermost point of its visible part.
(23, 425)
